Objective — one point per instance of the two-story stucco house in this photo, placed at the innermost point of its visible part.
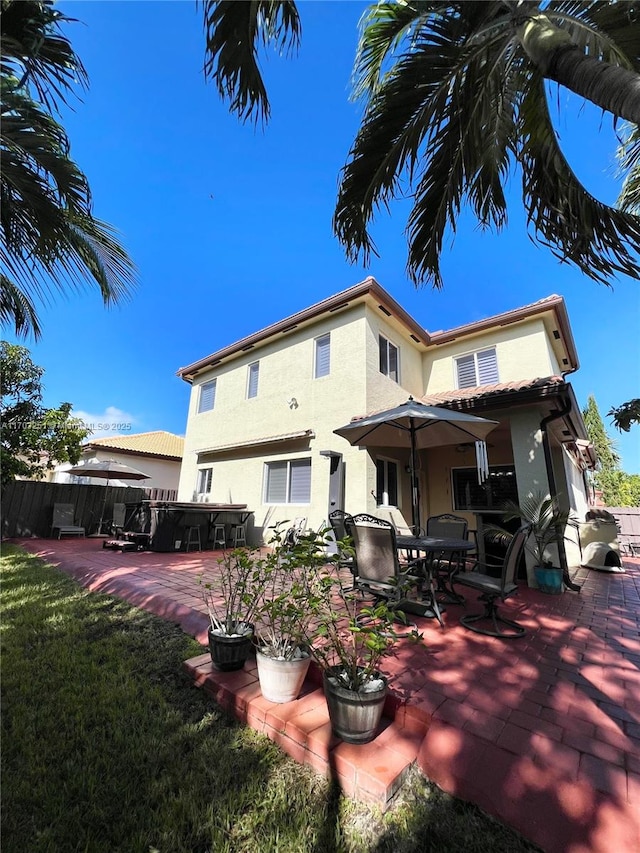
(263, 411)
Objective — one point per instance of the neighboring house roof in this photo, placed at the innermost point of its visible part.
(552, 307)
(159, 444)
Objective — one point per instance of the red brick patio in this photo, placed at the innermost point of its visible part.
(542, 732)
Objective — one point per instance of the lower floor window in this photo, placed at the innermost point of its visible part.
(500, 486)
(288, 482)
(205, 478)
(386, 482)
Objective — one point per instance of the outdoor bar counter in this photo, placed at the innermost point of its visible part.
(166, 522)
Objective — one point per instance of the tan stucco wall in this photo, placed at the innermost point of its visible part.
(522, 352)
(354, 387)
(323, 405)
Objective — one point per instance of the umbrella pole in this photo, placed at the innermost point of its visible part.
(104, 506)
(415, 498)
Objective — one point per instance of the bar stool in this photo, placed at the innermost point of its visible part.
(193, 538)
(219, 535)
(239, 536)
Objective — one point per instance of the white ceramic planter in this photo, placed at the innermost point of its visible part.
(281, 680)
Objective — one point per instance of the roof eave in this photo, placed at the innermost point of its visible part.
(337, 302)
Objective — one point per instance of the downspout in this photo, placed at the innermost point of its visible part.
(562, 554)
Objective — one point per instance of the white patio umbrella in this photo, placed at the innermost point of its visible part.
(107, 469)
(418, 426)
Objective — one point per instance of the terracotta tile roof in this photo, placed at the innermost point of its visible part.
(157, 443)
(478, 391)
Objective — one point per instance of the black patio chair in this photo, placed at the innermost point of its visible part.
(496, 589)
(340, 521)
(379, 573)
(448, 563)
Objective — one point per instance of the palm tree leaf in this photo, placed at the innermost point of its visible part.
(441, 114)
(234, 32)
(51, 241)
(576, 227)
(36, 53)
(629, 162)
(17, 309)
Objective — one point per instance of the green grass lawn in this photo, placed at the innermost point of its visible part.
(107, 746)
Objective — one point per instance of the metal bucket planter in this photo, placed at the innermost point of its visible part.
(229, 652)
(355, 714)
(549, 579)
(281, 680)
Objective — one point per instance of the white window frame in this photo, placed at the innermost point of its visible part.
(212, 383)
(205, 478)
(384, 495)
(476, 367)
(288, 463)
(317, 364)
(387, 345)
(252, 387)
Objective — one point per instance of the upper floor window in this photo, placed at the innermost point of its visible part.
(386, 482)
(477, 368)
(322, 356)
(288, 482)
(389, 359)
(205, 478)
(252, 379)
(207, 397)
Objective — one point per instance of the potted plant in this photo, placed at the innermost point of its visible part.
(348, 642)
(231, 597)
(282, 653)
(546, 523)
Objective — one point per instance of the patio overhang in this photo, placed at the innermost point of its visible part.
(551, 393)
(289, 437)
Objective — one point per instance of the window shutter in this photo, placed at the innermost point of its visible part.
(487, 367)
(323, 356)
(392, 483)
(207, 396)
(276, 482)
(393, 363)
(466, 368)
(382, 346)
(252, 390)
(300, 483)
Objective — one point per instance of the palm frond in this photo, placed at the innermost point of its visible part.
(17, 309)
(36, 53)
(444, 114)
(577, 228)
(234, 33)
(629, 167)
(51, 241)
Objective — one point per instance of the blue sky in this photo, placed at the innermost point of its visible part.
(230, 226)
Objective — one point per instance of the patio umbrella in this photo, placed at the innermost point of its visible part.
(418, 426)
(107, 469)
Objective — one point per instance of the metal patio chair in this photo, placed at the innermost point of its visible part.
(64, 521)
(496, 589)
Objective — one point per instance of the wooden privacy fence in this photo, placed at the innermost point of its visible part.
(27, 506)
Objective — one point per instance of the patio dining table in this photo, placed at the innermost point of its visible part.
(433, 548)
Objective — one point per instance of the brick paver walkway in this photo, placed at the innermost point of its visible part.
(542, 732)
